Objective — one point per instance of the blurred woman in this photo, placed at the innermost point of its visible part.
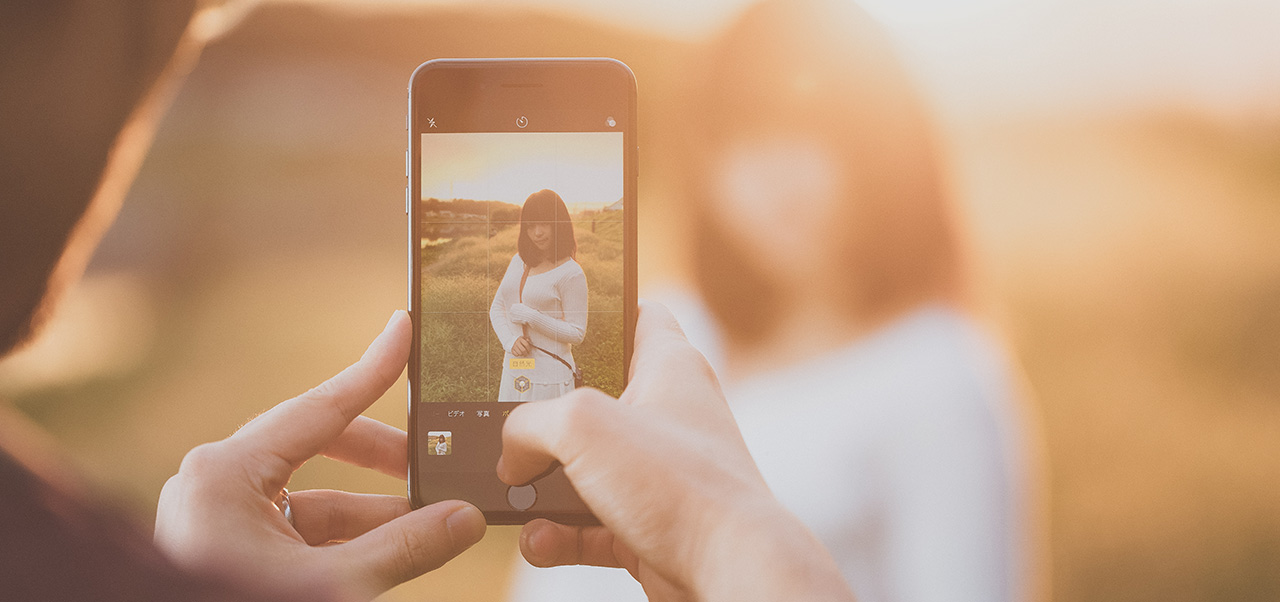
(825, 249)
(540, 309)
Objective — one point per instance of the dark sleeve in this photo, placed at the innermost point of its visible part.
(54, 546)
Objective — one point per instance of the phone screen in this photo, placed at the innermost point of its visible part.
(522, 263)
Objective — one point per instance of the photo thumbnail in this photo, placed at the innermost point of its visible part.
(439, 443)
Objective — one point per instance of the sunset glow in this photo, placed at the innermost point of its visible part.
(584, 168)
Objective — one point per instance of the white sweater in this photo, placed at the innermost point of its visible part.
(554, 309)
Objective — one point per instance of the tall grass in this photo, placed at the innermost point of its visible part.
(462, 357)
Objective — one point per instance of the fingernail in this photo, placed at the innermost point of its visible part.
(395, 315)
(526, 546)
(531, 546)
(466, 525)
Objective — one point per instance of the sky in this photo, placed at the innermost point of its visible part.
(584, 168)
(982, 57)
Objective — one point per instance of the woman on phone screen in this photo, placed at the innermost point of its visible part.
(540, 309)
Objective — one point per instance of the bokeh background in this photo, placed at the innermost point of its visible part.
(1117, 163)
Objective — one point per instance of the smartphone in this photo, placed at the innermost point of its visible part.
(521, 198)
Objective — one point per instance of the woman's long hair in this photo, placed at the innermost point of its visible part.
(546, 206)
(822, 71)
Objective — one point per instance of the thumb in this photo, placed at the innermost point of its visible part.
(411, 545)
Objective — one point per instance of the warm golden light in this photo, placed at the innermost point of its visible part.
(584, 168)
(1110, 165)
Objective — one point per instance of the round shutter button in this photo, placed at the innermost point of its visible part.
(523, 497)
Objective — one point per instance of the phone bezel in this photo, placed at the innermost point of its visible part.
(523, 73)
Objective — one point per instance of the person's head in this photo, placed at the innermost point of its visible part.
(812, 174)
(82, 85)
(546, 231)
(441, 440)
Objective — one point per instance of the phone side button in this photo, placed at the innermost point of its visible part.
(406, 200)
(523, 497)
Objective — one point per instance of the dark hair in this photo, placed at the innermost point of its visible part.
(823, 70)
(546, 206)
(73, 74)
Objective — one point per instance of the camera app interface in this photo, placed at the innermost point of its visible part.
(521, 255)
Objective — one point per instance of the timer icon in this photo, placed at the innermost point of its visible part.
(522, 122)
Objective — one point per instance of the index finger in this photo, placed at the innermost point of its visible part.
(294, 431)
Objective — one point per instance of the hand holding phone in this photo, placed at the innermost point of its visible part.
(683, 506)
(218, 510)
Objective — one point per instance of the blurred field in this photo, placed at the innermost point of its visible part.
(1131, 259)
(1138, 268)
